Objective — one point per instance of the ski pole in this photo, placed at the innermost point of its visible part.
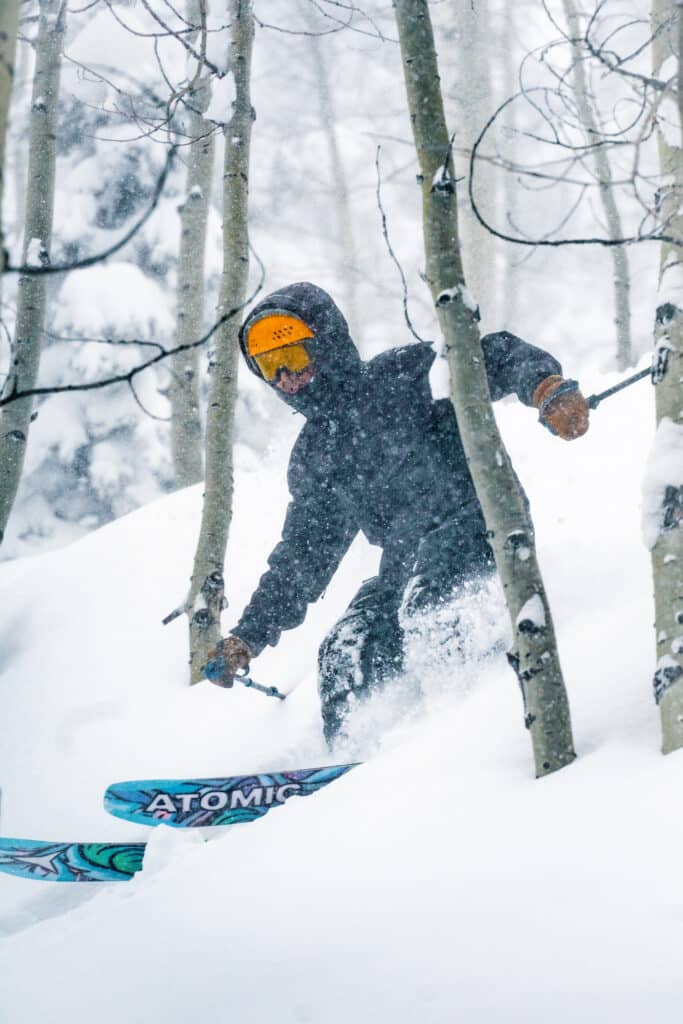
(215, 668)
(270, 691)
(594, 400)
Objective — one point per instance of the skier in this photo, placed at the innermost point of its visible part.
(377, 453)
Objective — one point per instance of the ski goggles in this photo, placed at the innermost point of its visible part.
(277, 341)
(294, 358)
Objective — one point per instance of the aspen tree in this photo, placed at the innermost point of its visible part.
(511, 283)
(206, 597)
(664, 481)
(184, 389)
(30, 322)
(620, 267)
(534, 650)
(9, 18)
(474, 96)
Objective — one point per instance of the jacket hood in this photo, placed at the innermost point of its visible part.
(337, 362)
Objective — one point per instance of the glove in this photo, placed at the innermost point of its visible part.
(229, 655)
(561, 407)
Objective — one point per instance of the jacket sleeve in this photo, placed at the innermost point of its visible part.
(316, 535)
(515, 367)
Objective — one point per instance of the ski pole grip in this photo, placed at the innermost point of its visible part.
(565, 388)
(214, 670)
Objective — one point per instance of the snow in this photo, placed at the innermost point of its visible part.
(136, 308)
(458, 291)
(664, 469)
(105, 43)
(667, 662)
(223, 94)
(437, 882)
(108, 475)
(75, 217)
(532, 611)
(35, 253)
(468, 300)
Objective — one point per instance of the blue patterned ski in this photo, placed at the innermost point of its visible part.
(70, 862)
(194, 803)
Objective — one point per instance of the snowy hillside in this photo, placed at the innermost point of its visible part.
(439, 882)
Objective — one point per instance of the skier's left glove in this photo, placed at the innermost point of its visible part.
(224, 660)
(561, 407)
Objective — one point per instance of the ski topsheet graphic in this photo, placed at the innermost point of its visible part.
(70, 862)
(194, 803)
(182, 803)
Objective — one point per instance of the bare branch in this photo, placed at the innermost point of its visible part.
(385, 232)
(89, 261)
(200, 57)
(657, 233)
(126, 378)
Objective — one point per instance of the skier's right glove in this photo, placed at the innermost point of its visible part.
(225, 659)
(561, 407)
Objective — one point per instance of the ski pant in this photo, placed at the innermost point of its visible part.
(365, 648)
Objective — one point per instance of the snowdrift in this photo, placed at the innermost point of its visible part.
(438, 881)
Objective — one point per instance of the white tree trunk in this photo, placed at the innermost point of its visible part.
(474, 96)
(534, 653)
(186, 433)
(664, 492)
(23, 66)
(510, 252)
(206, 597)
(621, 277)
(30, 323)
(9, 17)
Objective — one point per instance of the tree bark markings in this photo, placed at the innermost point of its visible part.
(534, 653)
(475, 96)
(184, 389)
(9, 19)
(206, 597)
(667, 553)
(511, 276)
(16, 417)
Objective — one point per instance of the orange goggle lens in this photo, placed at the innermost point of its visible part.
(292, 358)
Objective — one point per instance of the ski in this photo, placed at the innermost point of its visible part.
(181, 803)
(232, 800)
(70, 862)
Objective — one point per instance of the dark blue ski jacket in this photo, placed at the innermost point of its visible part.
(377, 453)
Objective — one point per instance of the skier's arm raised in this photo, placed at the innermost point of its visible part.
(514, 366)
